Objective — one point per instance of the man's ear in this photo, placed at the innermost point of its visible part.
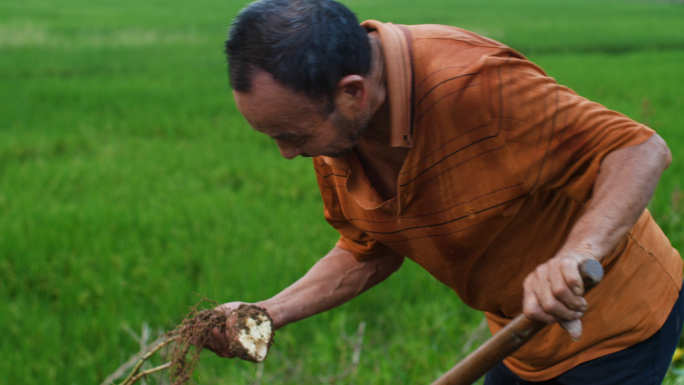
(352, 94)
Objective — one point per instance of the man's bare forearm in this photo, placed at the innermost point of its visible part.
(332, 281)
(623, 188)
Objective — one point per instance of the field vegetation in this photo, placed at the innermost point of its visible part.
(129, 182)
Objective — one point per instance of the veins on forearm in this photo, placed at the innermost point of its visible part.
(623, 188)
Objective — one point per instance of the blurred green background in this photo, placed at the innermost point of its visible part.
(129, 182)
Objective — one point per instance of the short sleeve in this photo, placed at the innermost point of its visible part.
(556, 138)
(360, 244)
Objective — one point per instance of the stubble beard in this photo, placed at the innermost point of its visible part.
(354, 128)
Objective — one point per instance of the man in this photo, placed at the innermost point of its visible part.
(436, 144)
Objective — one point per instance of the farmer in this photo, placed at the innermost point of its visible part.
(435, 144)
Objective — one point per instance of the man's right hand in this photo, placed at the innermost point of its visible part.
(219, 340)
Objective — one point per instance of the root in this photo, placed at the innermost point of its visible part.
(195, 330)
(249, 330)
(133, 377)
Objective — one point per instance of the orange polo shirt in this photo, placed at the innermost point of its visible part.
(502, 161)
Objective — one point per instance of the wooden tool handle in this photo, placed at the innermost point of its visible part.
(508, 339)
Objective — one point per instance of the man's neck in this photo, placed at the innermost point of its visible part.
(379, 129)
(381, 162)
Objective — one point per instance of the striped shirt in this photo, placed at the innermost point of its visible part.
(501, 163)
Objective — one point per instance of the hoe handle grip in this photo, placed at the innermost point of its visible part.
(508, 339)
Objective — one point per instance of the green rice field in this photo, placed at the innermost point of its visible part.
(129, 184)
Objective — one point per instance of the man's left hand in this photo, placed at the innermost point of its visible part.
(553, 292)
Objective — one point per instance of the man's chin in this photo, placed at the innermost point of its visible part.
(343, 153)
(340, 154)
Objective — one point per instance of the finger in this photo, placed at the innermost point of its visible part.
(534, 311)
(571, 274)
(574, 327)
(547, 298)
(531, 305)
(564, 287)
(220, 344)
(228, 307)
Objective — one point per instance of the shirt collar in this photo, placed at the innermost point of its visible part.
(397, 51)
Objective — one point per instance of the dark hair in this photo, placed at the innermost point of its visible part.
(306, 45)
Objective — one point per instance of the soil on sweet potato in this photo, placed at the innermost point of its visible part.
(239, 319)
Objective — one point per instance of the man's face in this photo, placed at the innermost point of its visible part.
(297, 123)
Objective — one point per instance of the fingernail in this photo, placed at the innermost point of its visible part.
(577, 291)
(580, 314)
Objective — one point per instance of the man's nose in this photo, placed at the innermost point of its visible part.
(288, 150)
